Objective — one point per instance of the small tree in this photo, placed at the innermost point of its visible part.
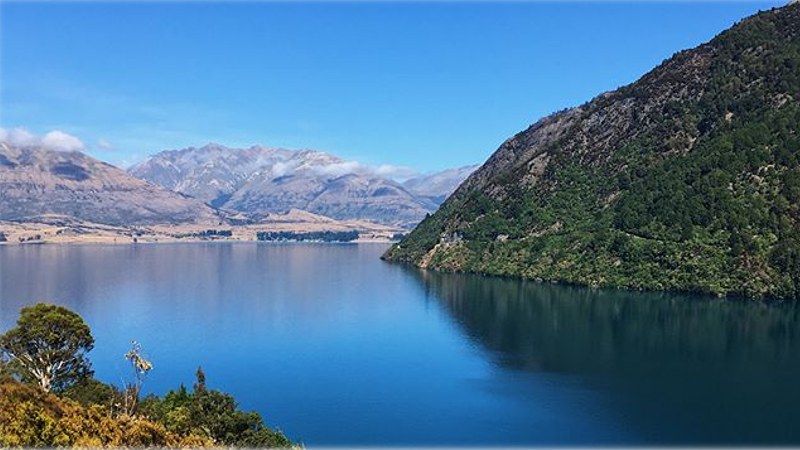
(141, 367)
(48, 347)
(200, 384)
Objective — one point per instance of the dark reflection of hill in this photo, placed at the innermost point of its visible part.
(679, 368)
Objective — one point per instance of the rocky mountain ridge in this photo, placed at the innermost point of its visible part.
(263, 180)
(36, 182)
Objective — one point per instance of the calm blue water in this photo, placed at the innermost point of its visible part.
(334, 346)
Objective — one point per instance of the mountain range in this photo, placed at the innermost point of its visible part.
(687, 179)
(210, 185)
(264, 180)
(36, 182)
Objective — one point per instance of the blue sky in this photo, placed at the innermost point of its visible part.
(417, 84)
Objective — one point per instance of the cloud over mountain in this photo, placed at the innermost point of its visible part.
(264, 180)
(56, 140)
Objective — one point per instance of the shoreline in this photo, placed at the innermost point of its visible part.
(100, 243)
(72, 232)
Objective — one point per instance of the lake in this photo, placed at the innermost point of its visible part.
(336, 347)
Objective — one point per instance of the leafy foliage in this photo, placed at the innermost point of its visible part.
(91, 391)
(30, 417)
(49, 346)
(211, 414)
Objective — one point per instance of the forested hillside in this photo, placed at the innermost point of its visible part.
(687, 179)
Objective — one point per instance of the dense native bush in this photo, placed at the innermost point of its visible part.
(30, 417)
(84, 412)
(211, 414)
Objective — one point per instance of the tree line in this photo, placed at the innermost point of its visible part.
(323, 236)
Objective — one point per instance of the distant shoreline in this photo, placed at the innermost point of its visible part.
(75, 232)
(187, 241)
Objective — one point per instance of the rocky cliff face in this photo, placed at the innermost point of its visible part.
(36, 182)
(682, 180)
(264, 180)
(213, 173)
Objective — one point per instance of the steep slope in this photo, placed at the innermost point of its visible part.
(211, 173)
(687, 179)
(36, 182)
(437, 186)
(263, 180)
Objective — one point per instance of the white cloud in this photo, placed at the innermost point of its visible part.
(54, 140)
(18, 136)
(58, 140)
(338, 169)
(281, 168)
(326, 168)
(103, 144)
(395, 172)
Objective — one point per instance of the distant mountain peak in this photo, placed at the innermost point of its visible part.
(263, 180)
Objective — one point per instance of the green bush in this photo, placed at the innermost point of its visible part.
(211, 414)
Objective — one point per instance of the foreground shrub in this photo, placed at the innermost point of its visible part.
(211, 414)
(30, 417)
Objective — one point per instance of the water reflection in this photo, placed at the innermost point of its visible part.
(207, 280)
(339, 348)
(681, 369)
